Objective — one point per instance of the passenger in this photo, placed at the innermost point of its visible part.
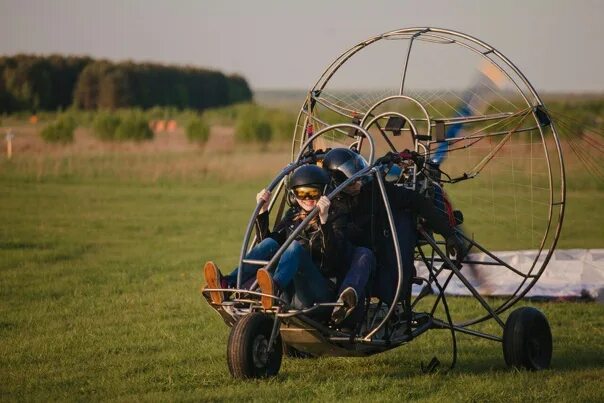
(370, 229)
(309, 262)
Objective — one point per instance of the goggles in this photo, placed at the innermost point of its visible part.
(307, 193)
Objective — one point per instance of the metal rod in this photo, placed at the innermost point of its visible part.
(383, 115)
(491, 255)
(273, 200)
(482, 136)
(407, 62)
(385, 136)
(478, 262)
(333, 107)
(404, 97)
(445, 325)
(480, 166)
(462, 278)
(255, 262)
(399, 261)
(338, 126)
(316, 119)
(242, 291)
(274, 331)
(304, 311)
(406, 65)
(475, 118)
(433, 277)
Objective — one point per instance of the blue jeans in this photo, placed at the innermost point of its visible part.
(310, 286)
(361, 265)
(295, 267)
(263, 251)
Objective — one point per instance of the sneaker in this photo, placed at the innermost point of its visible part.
(267, 286)
(348, 299)
(214, 280)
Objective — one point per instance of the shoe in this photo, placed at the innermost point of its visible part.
(213, 280)
(267, 286)
(348, 299)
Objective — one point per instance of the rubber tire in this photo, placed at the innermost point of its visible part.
(293, 352)
(246, 333)
(527, 339)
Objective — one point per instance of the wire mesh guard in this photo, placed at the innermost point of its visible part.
(471, 112)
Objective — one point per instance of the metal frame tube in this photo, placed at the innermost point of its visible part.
(399, 261)
(411, 125)
(461, 277)
(336, 127)
(444, 325)
(415, 101)
(407, 59)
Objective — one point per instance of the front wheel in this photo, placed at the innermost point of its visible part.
(527, 339)
(248, 353)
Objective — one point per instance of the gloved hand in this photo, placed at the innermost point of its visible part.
(456, 249)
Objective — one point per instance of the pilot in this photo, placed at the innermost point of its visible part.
(369, 228)
(359, 264)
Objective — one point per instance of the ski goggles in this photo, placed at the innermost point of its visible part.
(307, 193)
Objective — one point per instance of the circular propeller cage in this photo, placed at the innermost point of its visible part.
(463, 105)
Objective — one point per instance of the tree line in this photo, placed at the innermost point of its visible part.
(33, 83)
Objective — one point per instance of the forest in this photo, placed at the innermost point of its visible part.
(49, 83)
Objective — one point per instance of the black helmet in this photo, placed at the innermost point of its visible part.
(309, 175)
(343, 163)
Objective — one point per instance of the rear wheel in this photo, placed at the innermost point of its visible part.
(527, 339)
(248, 353)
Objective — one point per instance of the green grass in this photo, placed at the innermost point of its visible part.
(99, 300)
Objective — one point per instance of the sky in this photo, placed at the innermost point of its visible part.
(557, 44)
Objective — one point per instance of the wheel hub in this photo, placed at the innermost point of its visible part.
(260, 351)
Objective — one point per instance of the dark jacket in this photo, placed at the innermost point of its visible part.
(368, 224)
(327, 243)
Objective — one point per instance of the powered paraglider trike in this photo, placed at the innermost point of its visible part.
(450, 117)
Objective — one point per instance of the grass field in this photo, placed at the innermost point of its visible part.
(100, 258)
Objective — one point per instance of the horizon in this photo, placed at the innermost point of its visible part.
(556, 44)
(586, 92)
